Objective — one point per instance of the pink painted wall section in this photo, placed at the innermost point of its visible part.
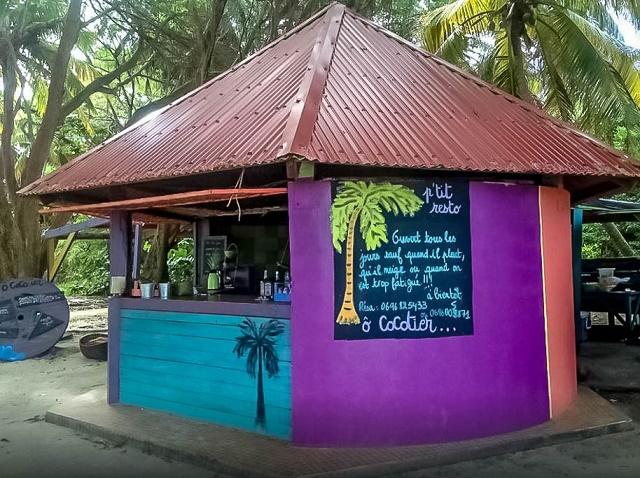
(555, 219)
(394, 392)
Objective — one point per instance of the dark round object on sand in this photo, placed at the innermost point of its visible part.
(95, 346)
(33, 316)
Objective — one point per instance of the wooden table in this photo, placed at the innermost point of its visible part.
(616, 304)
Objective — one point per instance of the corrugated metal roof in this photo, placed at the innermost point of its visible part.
(341, 90)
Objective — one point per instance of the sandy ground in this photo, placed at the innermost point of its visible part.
(87, 314)
(30, 447)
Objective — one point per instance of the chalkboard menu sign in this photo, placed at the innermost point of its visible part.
(213, 248)
(402, 259)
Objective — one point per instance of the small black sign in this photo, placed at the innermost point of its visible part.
(213, 248)
(402, 259)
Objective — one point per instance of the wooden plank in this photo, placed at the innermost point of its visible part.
(217, 392)
(184, 355)
(178, 199)
(183, 329)
(246, 408)
(75, 227)
(58, 258)
(194, 318)
(51, 256)
(280, 384)
(281, 430)
(222, 348)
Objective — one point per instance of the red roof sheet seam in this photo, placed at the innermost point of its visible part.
(300, 124)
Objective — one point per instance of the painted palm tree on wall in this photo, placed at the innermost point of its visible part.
(259, 344)
(365, 202)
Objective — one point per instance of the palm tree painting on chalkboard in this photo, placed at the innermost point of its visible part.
(366, 203)
(259, 344)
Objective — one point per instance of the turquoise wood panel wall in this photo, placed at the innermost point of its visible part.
(185, 364)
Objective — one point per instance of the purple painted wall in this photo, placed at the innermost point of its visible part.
(392, 392)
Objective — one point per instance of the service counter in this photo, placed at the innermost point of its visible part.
(219, 358)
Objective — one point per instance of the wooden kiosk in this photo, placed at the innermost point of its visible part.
(427, 217)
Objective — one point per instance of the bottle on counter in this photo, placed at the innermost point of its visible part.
(263, 283)
(266, 286)
(287, 282)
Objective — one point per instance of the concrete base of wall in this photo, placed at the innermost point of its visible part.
(246, 454)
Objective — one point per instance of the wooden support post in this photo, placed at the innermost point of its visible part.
(51, 256)
(201, 230)
(55, 261)
(120, 245)
(576, 227)
(119, 265)
(137, 251)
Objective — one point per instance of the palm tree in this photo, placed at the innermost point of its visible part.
(366, 202)
(567, 54)
(259, 343)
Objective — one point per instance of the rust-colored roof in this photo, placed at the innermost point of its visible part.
(340, 90)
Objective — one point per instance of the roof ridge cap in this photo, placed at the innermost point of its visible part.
(540, 113)
(298, 130)
(145, 119)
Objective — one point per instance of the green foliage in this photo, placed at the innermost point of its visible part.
(567, 55)
(85, 270)
(367, 202)
(180, 261)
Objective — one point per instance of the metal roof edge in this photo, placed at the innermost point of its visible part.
(28, 189)
(297, 133)
(508, 96)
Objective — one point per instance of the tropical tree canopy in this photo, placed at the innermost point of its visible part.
(566, 55)
(75, 72)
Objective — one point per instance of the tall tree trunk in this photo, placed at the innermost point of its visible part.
(261, 414)
(348, 314)
(51, 118)
(520, 83)
(23, 251)
(211, 34)
(618, 240)
(9, 80)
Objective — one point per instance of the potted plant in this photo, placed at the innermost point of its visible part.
(180, 265)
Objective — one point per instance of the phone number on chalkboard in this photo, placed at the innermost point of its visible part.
(404, 305)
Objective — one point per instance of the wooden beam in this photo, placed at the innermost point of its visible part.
(207, 213)
(51, 255)
(76, 227)
(179, 199)
(54, 266)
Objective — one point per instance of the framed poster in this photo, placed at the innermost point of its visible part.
(402, 258)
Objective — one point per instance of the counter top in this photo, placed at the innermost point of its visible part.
(224, 304)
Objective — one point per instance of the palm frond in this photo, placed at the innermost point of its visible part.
(349, 198)
(461, 17)
(591, 79)
(555, 94)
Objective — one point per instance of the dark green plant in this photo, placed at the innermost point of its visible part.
(85, 270)
(180, 261)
